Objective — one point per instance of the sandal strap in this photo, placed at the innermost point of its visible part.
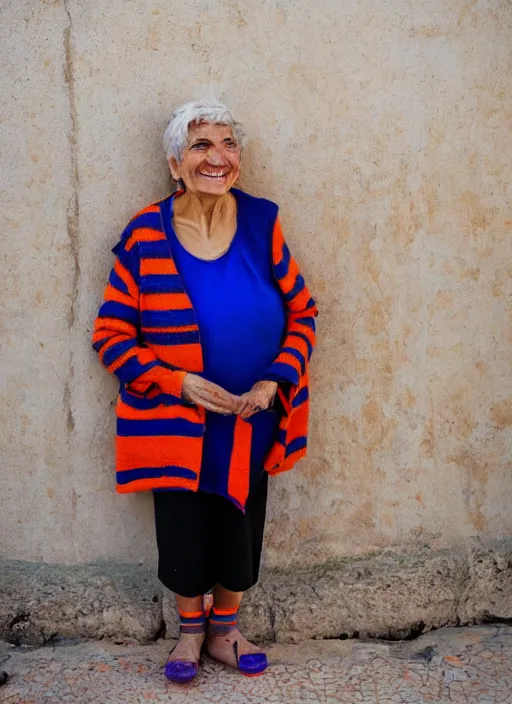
(235, 650)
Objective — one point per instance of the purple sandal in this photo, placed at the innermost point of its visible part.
(252, 664)
(183, 671)
(223, 624)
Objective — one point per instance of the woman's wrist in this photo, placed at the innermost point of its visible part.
(269, 387)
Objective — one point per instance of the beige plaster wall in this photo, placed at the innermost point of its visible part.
(383, 129)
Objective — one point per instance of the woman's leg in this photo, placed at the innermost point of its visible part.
(183, 660)
(186, 603)
(237, 552)
(224, 599)
(184, 538)
(224, 640)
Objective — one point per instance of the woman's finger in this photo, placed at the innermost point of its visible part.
(244, 406)
(247, 412)
(214, 407)
(260, 402)
(218, 395)
(228, 405)
(196, 384)
(211, 405)
(218, 403)
(252, 405)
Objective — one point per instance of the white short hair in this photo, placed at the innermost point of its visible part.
(176, 134)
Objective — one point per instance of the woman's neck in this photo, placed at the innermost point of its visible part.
(207, 214)
(205, 225)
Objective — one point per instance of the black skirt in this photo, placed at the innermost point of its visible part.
(204, 539)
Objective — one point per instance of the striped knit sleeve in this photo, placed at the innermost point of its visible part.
(295, 353)
(116, 329)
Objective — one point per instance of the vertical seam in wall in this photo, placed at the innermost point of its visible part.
(72, 226)
(73, 208)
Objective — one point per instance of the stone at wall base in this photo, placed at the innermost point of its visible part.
(41, 601)
(388, 596)
(487, 594)
(382, 597)
(385, 596)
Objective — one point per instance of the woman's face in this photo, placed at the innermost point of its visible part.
(211, 162)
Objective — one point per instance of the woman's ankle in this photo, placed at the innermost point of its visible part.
(222, 621)
(192, 623)
(191, 613)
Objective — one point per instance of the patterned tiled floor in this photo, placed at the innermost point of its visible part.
(466, 666)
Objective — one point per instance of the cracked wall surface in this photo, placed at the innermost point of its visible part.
(38, 272)
(385, 137)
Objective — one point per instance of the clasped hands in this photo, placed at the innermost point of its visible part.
(216, 399)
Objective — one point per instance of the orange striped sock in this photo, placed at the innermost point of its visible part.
(192, 622)
(223, 620)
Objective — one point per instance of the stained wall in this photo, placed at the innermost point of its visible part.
(383, 130)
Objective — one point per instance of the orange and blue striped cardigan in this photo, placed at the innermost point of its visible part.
(146, 333)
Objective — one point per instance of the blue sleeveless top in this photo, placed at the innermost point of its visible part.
(242, 320)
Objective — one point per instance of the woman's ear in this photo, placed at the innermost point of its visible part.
(174, 168)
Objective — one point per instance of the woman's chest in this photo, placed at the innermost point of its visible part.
(205, 243)
(241, 319)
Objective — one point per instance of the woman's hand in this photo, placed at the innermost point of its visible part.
(209, 395)
(259, 398)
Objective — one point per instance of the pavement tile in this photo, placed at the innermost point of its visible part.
(470, 666)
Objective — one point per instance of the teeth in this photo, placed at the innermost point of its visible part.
(210, 175)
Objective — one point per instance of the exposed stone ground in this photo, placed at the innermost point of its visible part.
(454, 665)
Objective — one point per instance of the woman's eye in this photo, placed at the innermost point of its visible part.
(200, 145)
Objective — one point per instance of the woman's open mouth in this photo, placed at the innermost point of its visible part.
(214, 175)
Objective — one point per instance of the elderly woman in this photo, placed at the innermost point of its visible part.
(209, 327)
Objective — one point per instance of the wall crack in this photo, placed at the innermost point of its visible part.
(73, 209)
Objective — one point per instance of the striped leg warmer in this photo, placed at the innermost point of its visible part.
(222, 621)
(192, 622)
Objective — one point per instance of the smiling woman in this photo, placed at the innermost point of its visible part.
(211, 162)
(209, 326)
(209, 167)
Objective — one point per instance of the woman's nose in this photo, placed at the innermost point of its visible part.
(214, 157)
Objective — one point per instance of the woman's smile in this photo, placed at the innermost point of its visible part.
(212, 174)
(210, 164)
